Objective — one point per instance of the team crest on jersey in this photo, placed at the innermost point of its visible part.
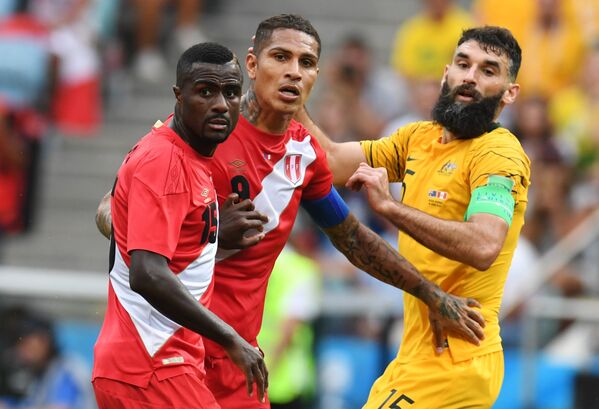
(293, 169)
(448, 168)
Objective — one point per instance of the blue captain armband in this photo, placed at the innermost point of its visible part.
(328, 211)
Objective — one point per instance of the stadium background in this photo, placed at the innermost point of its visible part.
(55, 262)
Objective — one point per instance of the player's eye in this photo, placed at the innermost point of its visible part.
(205, 91)
(232, 92)
(308, 62)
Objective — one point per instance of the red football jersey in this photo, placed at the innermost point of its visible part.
(276, 172)
(164, 202)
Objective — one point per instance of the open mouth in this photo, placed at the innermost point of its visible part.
(467, 94)
(291, 92)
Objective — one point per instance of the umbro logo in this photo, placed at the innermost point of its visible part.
(237, 163)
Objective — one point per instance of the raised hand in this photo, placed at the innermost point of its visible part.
(251, 362)
(376, 183)
(240, 225)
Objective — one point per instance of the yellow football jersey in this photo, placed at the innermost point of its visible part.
(439, 179)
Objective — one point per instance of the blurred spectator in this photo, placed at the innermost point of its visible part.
(552, 50)
(149, 63)
(40, 376)
(546, 216)
(28, 70)
(586, 13)
(422, 94)
(424, 44)
(292, 302)
(358, 97)
(13, 163)
(575, 113)
(76, 107)
(515, 15)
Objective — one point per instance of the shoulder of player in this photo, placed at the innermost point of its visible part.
(498, 138)
(416, 130)
(502, 145)
(160, 165)
(297, 131)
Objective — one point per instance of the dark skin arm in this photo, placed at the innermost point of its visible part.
(151, 277)
(369, 252)
(235, 219)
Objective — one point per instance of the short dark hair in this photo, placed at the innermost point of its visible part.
(500, 41)
(293, 21)
(210, 53)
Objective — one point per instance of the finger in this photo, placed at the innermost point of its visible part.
(262, 217)
(438, 337)
(478, 317)
(470, 337)
(246, 205)
(260, 382)
(476, 329)
(254, 224)
(249, 380)
(471, 302)
(259, 217)
(251, 240)
(354, 182)
(231, 199)
(265, 372)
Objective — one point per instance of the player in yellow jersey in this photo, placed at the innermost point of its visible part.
(464, 197)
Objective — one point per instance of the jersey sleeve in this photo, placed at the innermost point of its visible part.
(389, 152)
(158, 202)
(500, 154)
(322, 180)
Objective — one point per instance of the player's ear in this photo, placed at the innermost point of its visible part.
(510, 94)
(251, 62)
(177, 92)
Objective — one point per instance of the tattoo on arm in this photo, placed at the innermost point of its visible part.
(369, 252)
(249, 105)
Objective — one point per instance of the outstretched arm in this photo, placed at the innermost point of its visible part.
(151, 277)
(476, 242)
(369, 252)
(343, 158)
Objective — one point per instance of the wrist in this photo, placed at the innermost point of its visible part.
(228, 337)
(430, 294)
(385, 207)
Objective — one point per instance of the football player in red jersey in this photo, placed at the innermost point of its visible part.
(149, 351)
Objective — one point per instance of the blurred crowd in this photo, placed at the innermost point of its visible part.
(59, 57)
(60, 60)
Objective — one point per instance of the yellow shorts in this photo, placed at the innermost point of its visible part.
(439, 383)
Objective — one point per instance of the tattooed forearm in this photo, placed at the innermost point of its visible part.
(250, 108)
(369, 252)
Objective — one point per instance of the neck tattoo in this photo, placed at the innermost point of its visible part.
(250, 108)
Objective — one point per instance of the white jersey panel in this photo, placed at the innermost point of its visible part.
(153, 327)
(280, 184)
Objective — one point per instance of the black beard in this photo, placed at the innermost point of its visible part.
(465, 121)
